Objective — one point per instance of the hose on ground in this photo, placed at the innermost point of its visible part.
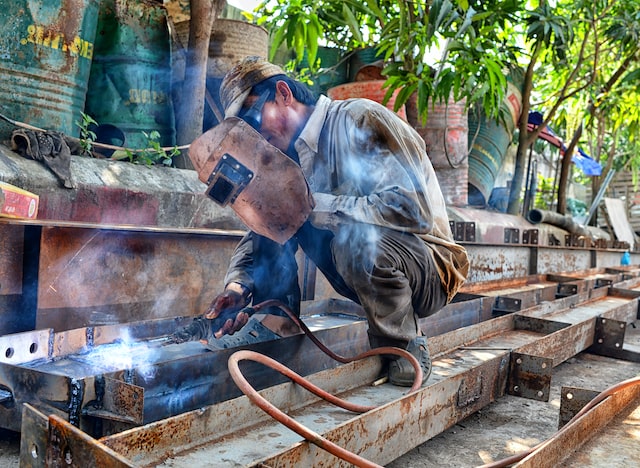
(588, 407)
(280, 416)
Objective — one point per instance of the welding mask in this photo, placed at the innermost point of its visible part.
(266, 189)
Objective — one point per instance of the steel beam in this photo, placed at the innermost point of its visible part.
(471, 368)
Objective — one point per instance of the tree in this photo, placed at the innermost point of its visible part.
(562, 45)
(203, 15)
(580, 75)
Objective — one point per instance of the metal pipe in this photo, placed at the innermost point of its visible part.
(537, 216)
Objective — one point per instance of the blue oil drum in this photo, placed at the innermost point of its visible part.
(46, 50)
(130, 82)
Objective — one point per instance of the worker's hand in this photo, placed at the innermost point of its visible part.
(226, 303)
(232, 325)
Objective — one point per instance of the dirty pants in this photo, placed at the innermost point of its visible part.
(391, 274)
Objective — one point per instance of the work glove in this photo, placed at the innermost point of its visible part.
(226, 312)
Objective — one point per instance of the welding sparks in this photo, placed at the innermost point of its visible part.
(125, 354)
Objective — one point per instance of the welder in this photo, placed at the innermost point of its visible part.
(378, 229)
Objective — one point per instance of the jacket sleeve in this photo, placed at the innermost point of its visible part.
(377, 175)
(240, 268)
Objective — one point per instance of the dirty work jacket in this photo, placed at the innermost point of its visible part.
(364, 164)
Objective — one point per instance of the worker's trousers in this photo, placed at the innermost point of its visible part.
(391, 274)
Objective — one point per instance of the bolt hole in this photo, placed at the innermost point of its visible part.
(519, 361)
(8, 353)
(34, 451)
(33, 348)
(540, 393)
(569, 396)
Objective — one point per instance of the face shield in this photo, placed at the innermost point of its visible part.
(265, 188)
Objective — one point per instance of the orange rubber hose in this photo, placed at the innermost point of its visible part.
(280, 416)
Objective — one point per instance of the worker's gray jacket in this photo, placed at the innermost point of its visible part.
(364, 164)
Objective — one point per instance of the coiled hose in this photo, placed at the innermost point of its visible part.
(280, 416)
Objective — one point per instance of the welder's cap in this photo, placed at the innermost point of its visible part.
(237, 83)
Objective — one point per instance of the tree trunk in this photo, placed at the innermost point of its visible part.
(525, 140)
(565, 168)
(191, 111)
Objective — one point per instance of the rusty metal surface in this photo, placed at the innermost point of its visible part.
(11, 252)
(118, 373)
(493, 262)
(472, 366)
(69, 446)
(97, 277)
(117, 400)
(33, 440)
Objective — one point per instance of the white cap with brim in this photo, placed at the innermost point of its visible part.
(233, 109)
(238, 82)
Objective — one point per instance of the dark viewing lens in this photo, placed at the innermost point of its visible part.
(253, 115)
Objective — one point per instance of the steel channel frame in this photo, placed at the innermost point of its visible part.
(473, 366)
(184, 373)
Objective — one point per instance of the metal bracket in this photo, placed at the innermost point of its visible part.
(572, 400)
(530, 236)
(463, 231)
(576, 240)
(511, 235)
(505, 305)
(602, 283)
(608, 340)
(538, 325)
(553, 240)
(530, 376)
(566, 290)
(117, 401)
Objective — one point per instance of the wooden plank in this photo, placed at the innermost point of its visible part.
(618, 217)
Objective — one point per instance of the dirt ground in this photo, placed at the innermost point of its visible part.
(507, 426)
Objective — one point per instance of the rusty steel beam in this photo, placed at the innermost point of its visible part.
(472, 367)
(56, 442)
(102, 276)
(182, 368)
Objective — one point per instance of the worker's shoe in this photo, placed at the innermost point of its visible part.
(402, 373)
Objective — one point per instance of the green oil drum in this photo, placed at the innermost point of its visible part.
(489, 140)
(46, 49)
(130, 82)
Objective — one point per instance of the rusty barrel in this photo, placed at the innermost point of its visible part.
(130, 83)
(445, 135)
(372, 90)
(46, 50)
